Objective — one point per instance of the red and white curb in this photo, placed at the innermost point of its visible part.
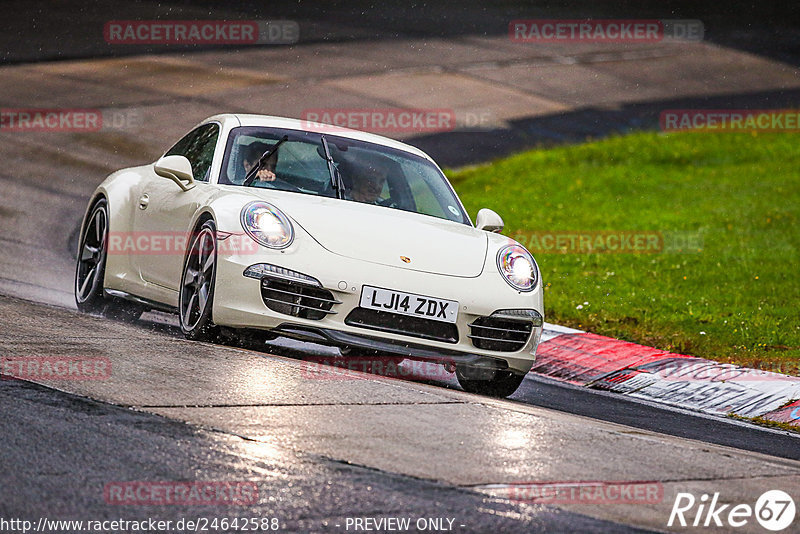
(675, 379)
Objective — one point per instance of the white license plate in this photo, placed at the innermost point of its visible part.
(391, 301)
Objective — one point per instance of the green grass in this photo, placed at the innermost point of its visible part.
(734, 299)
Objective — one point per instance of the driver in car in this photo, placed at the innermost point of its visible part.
(366, 182)
(251, 155)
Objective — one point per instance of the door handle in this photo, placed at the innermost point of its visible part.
(144, 201)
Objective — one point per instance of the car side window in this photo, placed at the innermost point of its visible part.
(198, 147)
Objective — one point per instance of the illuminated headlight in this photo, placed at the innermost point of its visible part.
(517, 267)
(267, 225)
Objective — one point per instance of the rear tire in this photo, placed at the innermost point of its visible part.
(501, 384)
(91, 268)
(91, 263)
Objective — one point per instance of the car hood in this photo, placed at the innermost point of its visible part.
(385, 236)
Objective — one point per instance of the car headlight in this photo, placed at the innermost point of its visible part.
(267, 225)
(517, 267)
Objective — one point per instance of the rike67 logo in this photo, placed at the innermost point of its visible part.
(774, 510)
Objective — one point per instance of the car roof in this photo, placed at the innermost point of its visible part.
(270, 121)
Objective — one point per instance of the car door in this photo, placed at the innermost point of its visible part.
(164, 212)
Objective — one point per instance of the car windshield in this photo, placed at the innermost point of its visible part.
(370, 173)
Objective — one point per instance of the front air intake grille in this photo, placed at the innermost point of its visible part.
(403, 324)
(297, 299)
(500, 334)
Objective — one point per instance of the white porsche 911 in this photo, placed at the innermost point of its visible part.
(286, 228)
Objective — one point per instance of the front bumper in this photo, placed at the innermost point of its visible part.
(238, 303)
(386, 347)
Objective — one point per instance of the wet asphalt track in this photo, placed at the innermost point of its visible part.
(61, 450)
(322, 449)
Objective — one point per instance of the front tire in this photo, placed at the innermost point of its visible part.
(500, 384)
(196, 297)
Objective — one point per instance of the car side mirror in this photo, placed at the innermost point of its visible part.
(489, 221)
(178, 169)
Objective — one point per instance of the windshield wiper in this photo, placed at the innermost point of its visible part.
(336, 177)
(251, 175)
